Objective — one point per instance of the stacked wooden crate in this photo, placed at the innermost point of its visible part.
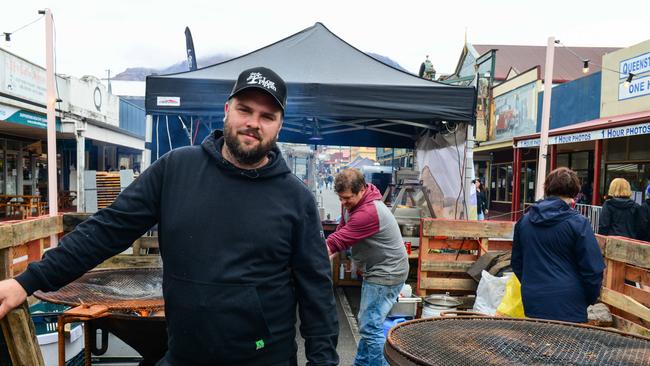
(108, 188)
(448, 248)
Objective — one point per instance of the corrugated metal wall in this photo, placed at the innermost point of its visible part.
(132, 118)
(573, 102)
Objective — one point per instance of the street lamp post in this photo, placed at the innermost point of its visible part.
(546, 117)
(51, 99)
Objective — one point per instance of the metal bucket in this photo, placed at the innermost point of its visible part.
(436, 304)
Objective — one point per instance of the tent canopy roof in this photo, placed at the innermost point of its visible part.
(335, 92)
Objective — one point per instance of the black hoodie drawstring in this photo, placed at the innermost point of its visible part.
(252, 176)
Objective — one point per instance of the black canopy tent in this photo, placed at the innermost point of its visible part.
(338, 95)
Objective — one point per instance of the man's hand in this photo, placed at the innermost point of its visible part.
(330, 254)
(12, 294)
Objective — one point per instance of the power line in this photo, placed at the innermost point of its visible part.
(8, 34)
(587, 61)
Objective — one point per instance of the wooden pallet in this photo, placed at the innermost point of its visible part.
(448, 248)
(108, 188)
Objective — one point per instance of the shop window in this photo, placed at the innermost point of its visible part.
(580, 160)
(562, 160)
(492, 183)
(501, 182)
(636, 174)
(639, 148)
(509, 183)
(644, 178)
(616, 149)
(528, 176)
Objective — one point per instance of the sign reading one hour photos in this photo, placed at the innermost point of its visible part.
(638, 87)
(607, 133)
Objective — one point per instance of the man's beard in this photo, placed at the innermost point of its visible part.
(246, 156)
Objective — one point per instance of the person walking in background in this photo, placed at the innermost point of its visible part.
(481, 200)
(620, 215)
(555, 254)
(370, 229)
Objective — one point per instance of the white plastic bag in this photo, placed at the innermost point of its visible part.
(407, 291)
(489, 293)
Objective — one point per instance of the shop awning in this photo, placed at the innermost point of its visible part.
(630, 124)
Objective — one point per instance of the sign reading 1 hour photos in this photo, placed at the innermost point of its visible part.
(640, 85)
(606, 133)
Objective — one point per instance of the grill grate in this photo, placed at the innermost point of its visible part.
(128, 289)
(466, 341)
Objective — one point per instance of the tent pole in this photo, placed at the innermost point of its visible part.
(469, 171)
(148, 135)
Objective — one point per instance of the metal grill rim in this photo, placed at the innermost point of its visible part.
(502, 341)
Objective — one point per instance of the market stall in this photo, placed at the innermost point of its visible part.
(337, 95)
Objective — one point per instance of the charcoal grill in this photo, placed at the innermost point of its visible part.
(481, 340)
(127, 302)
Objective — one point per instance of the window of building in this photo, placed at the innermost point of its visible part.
(637, 174)
(501, 182)
(528, 176)
(616, 149)
(581, 162)
(638, 148)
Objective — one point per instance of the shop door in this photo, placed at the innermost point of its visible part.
(527, 187)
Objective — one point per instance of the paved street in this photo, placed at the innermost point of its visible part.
(347, 346)
(330, 202)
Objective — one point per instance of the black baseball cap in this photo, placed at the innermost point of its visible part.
(263, 79)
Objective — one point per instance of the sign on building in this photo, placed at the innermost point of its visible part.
(515, 112)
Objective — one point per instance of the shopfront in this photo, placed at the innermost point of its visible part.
(601, 150)
(23, 164)
(94, 129)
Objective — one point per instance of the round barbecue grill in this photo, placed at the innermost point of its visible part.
(480, 340)
(135, 305)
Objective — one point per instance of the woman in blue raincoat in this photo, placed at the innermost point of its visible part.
(555, 254)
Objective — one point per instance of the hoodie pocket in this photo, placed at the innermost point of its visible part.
(214, 321)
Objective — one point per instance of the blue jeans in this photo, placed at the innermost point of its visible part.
(376, 302)
(480, 216)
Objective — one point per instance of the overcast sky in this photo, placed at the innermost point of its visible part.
(93, 36)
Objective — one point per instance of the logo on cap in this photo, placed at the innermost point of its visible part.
(258, 78)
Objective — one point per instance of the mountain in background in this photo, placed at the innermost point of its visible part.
(387, 60)
(140, 73)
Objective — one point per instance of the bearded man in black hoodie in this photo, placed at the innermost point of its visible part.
(238, 257)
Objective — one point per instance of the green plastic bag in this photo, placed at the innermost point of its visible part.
(511, 305)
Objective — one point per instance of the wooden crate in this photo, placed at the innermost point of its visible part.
(627, 259)
(108, 188)
(22, 242)
(448, 248)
